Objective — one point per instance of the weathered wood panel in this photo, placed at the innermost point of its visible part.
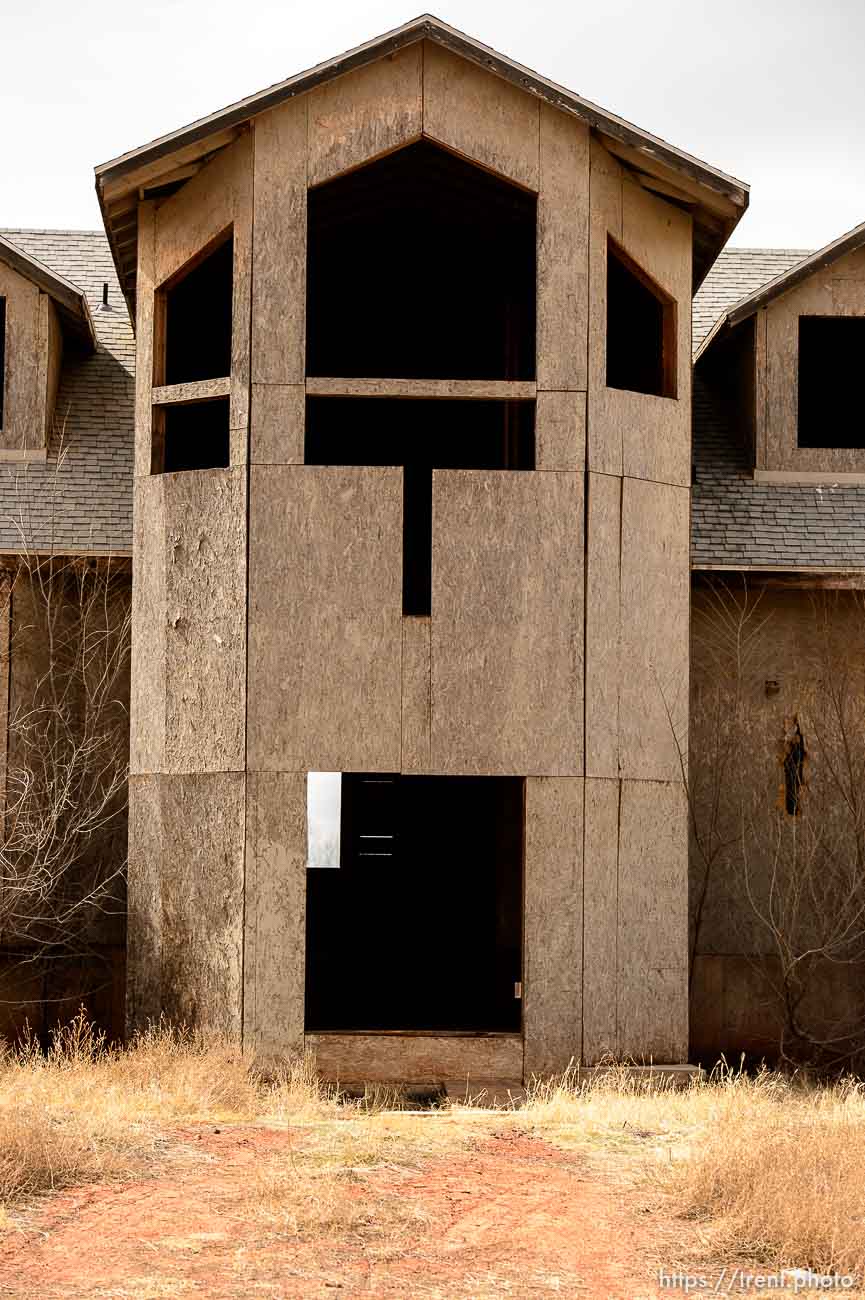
(204, 543)
(202, 209)
(560, 431)
(53, 363)
(553, 924)
(434, 1058)
(149, 603)
(366, 113)
(480, 116)
(507, 623)
(279, 246)
(760, 364)
(325, 619)
(604, 440)
(440, 389)
(186, 900)
(601, 920)
(603, 625)
(653, 921)
(275, 913)
(415, 695)
(563, 249)
(26, 360)
(655, 595)
(277, 424)
(145, 283)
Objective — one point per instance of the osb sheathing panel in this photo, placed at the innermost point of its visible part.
(279, 246)
(149, 626)
(219, 196)
(653, 921)
(393, 1058)
(277, 424)
(837, 291)
(186, 890)
(54, 360)
(655, 596)
(603, 629)
(480, 116)
(638, 434)
(600, 920)
(275, 913)
(507, 623)
(560, 431)
(325, 619)
(760, 361)
(553, 923)
(26, 363)
(145, 283)
(189, 645)
(415, 695)
(563, 248)
(366, 113)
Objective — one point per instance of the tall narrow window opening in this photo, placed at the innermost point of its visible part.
(419, 435)
(387, 945)
(794, 770)
(421, 266)
(641, 329)
(831, 349)
(2, 356)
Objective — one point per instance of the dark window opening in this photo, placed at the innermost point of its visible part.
(641, 329)
(421, 266)
(193, 435)
(196, 311)
(2, 356)
(420, 926)
(420, 436)
(831, 352)
(794, 771)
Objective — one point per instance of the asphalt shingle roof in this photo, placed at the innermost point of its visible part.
(80, 501)
(735, 275)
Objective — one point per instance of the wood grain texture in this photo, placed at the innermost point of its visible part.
(480, 116)
(655, 595)
(653, 922)
(54, 366)
(563, 251)
(144, 903)
(464, 389)
(560, 431)
(553, 924)
(26, 363)
(415, 695)
(760, 388)
(507, 623)
(205, 207)
(144, 341)
(149, 602)
(433, 1058)
(277, 422)
(204, 542)
(600, 920)
(366, 113)
(603, 625)
(201, 390)
(604, 439)
(279, 246)
(325, 619)
(275, 913)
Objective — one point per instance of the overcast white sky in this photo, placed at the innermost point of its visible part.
(771, 91)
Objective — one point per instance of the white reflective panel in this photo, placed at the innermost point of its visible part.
(323, 812)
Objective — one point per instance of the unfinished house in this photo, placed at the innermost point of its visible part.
(778, 654)
(410, 645)
(66, 426)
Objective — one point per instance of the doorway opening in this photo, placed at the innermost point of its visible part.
(414, 906)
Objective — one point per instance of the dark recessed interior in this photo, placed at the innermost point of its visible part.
(194, 436)
(831, 349)
(420, 436)
(421, 266)
(420, 926)
(640, 330)
(198, 320)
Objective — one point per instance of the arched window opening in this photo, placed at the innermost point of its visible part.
(421, 266)
(641, 329)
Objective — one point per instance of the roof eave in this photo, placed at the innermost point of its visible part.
(72, 306)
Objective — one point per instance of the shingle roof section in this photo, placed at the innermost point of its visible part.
(80, 500)
(737, 273)
(738, 523)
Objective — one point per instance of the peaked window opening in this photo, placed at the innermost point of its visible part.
(641, 329)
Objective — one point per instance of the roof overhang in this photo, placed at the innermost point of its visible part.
(740, 311)
(72, 309)
(716, 201)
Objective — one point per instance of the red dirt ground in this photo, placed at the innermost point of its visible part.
(512, 1217)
